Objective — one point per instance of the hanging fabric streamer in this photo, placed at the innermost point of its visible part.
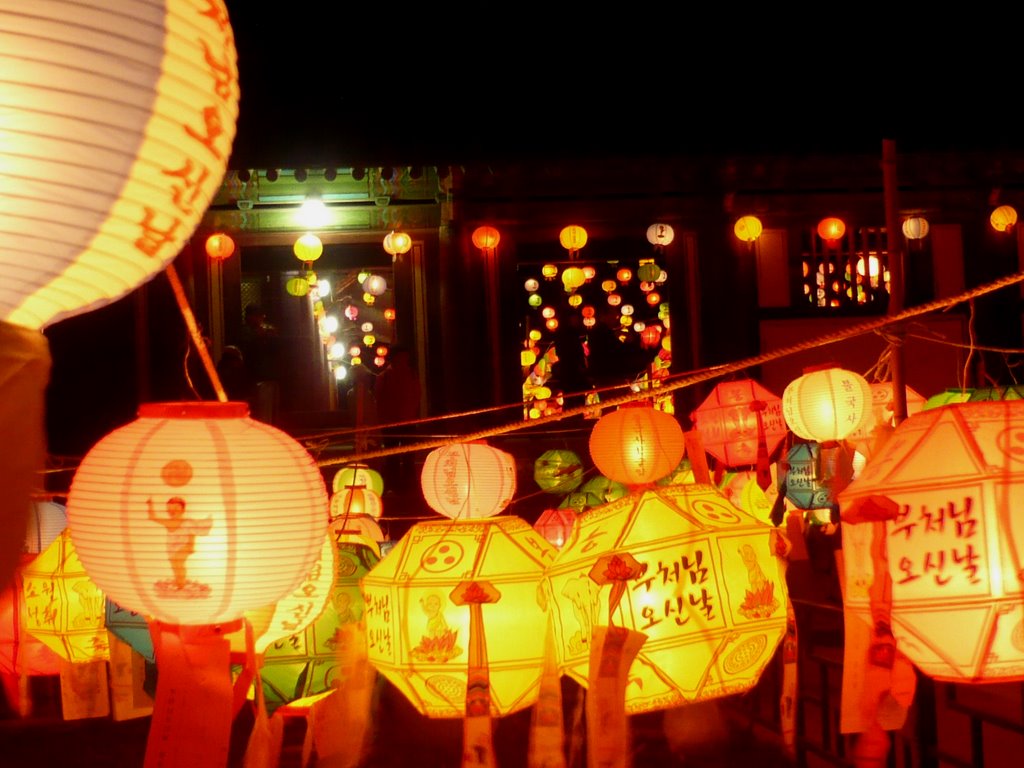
(547, 733)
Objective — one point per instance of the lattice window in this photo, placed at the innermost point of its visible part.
(850, 272)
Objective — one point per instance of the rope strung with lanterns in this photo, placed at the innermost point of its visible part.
(698, 376)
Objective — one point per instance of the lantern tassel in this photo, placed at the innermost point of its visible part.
(611, 654)
(547, 732)
(192, 714)
(477, 739)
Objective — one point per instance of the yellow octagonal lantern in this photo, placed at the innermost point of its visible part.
(710, 595)
(418, 633)
(63, 606)
(946, 491)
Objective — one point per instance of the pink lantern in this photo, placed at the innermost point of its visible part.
(468, 480)
(740, 422)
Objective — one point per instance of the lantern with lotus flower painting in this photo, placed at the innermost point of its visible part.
(935, 512)
(700, 578)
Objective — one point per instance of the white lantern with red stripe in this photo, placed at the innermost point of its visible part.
(467, 481)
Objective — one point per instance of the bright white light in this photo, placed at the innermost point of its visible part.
(336, 351)
(330, 324)
(324, 287)
(312, 214)
(340, 373)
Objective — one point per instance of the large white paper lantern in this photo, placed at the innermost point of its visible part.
(195, 513)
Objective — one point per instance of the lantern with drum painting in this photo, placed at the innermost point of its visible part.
(119, 160)
(707, 590)
(936, 513)
(422, 626)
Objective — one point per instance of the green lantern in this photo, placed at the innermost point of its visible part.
(604, 488)
(558, 471)
(358, 476)
(297, 286)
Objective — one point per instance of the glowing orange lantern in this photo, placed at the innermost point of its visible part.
(1003, 218)
(397, 243)
(195, 512)
(573, 238)
(624, 275)
(145, 173)
(680, 564)
(219, 246)
(636, 444)
(831, 230)
(549, 272)
(389, 313)
(468, 480)
(486, 238)
(948, 485)
(308, 248)
(826, 403)
(740, 423)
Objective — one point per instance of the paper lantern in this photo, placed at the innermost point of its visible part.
(947, 396)
(558, 470)
(468, 480)
(740, 421)
(573, 238)
(418, 635)
(1003, 218)
(743, 490)
(604, 488)
(219, 246)
(375, 285)
(708, 591)
(131, 628)
(648, 272)
(915, 228)
(308, 248)
(806, 486)
(195, 512)
(831, 230)
(22, 653)
(748, 228)
(636, 444)
(64, 607)
(120, 161)
(881, 416)
(486, 238)
(660, 235)
(949, 485)
(826, 404)
(397, 243)
(358, 476)
(555, 525)
(297, 286)
(45, 523)
(573, 278)
(355, 500)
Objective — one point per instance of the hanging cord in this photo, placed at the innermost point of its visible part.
(970, 352)
(704, 375)
(197, 337)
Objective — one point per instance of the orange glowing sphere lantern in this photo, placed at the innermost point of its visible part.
(219, 246)
(573, 238)
(195, 512)
(397, 243)
(636, 444)
(740, 421)
(915, 228)
(1003, 218)
(826, 403)
(699, 577)
(831, 230)
(105, 140)
(468, 480)
(936, 512)
(486, 238)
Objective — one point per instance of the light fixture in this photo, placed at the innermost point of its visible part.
(659, 235)
(915, 228)
(219, 246)
(486, 238)
(1003, 218)
(831, 230)
(573, 238)
(397, 243)
(313, 213)
(308, 248)
(748, 228)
